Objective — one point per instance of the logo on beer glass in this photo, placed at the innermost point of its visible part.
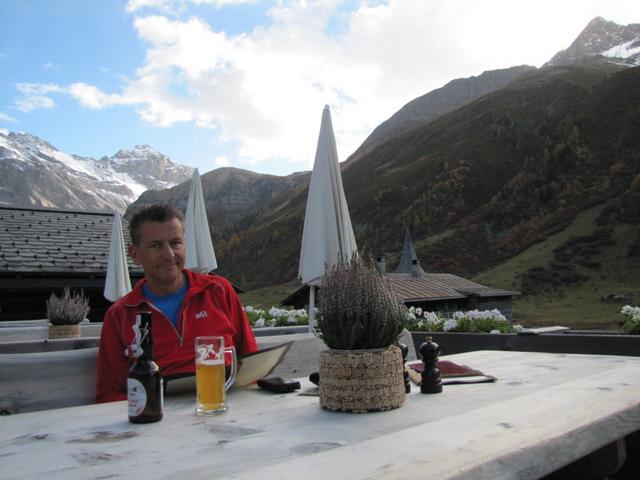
(210, 375)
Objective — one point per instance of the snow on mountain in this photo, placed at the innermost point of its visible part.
(603, 40)
(34, 173)
(625, 50)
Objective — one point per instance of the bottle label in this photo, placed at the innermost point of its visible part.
(137, 397)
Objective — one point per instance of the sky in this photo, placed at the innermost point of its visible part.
(242, 83)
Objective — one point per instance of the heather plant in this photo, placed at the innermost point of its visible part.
(358, 308)
(69, 309)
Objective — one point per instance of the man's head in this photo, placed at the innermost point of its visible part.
(157, 245)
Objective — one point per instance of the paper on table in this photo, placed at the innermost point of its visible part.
(251, 368)
(450, 372)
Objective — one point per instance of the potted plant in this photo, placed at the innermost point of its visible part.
(360, 319)
(65, 313)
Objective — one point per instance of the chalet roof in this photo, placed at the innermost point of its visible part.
(408, 256)
(425, 287)
(56, 242)
(440, 286)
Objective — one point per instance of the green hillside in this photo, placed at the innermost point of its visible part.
(583, 290)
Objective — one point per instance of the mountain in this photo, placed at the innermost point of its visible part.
(480, 184)
(477, 182)
(232, 195)
(430, 106)
(602, 40)
(36, 174)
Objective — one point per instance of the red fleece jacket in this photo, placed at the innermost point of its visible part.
(210, 307)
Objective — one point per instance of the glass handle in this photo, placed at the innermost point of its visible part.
(234, 367)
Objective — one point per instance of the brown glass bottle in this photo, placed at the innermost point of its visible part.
(144, 382)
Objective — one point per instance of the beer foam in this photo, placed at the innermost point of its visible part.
(216, 361)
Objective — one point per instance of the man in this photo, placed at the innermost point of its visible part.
(184, 305)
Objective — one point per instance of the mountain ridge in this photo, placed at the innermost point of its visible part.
(36, 174)
(602, 40)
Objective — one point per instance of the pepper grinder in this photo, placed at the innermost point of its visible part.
(431, 381)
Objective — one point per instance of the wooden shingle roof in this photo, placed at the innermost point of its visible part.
(425, 287)
(440, 286)
(56, 242)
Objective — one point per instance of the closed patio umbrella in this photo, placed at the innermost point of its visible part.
(200, 256)
(327, 236)
(117, 283)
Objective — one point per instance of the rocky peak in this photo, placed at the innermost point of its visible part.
(148, 166)
(602, 40)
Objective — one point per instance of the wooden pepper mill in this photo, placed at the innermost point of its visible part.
(405, 374)
(431, 381)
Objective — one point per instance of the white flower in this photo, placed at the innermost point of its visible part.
(418, 311)
(633, 312)
(432, 317)
(494, 331)
(259, 323)
(450, 324)
(278, 312)
(248, 308)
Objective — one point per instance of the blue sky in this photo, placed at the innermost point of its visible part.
(242, 83)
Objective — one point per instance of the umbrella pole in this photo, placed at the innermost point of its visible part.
(312, 317)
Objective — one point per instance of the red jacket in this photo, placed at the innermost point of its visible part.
(210, 307)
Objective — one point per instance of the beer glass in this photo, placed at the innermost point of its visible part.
(210, 375)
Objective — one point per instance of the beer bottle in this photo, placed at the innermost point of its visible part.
(144, 382)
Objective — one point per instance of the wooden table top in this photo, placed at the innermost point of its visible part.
(545, 411)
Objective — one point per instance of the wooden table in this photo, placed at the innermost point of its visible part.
(545, 411)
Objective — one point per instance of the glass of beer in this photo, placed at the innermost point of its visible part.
(210, 374)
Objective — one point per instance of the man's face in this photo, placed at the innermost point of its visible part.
(160, 253)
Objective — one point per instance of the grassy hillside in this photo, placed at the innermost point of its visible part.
(268, 297)
(581, 298)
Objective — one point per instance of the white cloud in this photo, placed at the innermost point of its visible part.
(7, 118)
(263, 91)
(91, 97)
(36, 96)
(221, 161)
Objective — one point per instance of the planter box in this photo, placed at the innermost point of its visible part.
(564, 342)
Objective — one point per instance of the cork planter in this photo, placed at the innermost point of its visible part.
(360, 381)
(64, 331)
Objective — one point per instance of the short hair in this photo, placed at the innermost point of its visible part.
(153, 213)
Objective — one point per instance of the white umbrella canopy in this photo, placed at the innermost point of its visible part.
(327, 236)
(117, 284)
(199, 254)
